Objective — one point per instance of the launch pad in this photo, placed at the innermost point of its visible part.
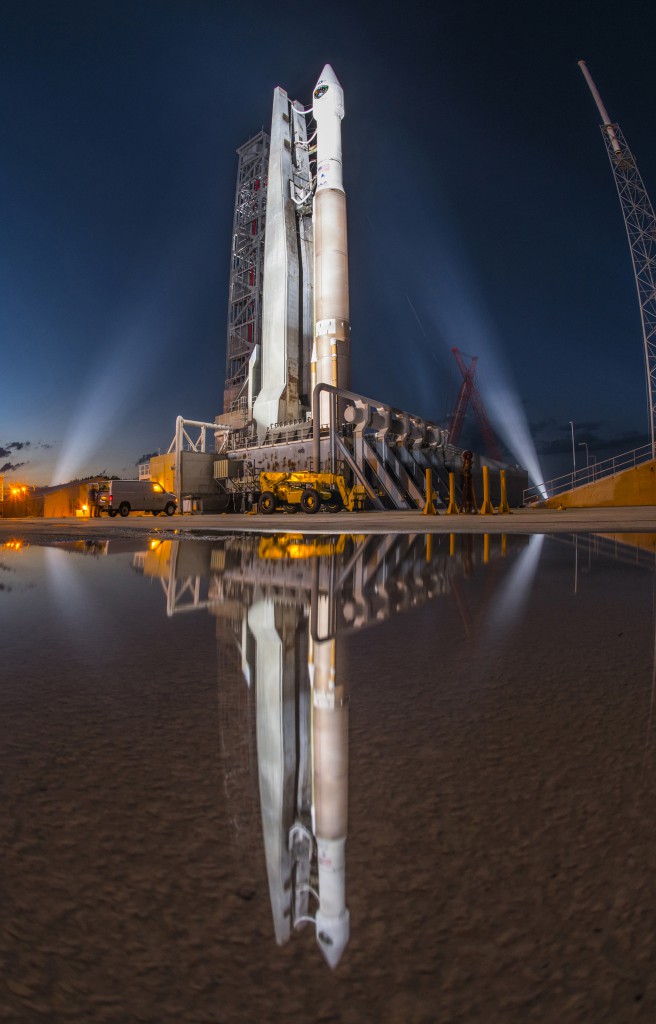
(288, 401)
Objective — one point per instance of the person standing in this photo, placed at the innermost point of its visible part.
(93, 500)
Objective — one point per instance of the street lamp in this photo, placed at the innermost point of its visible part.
(584, 444)
(573, 451)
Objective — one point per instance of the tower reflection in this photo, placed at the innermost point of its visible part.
(282, 604)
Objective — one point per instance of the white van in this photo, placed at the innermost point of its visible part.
(120, 497)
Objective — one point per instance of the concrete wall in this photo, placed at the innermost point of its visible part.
(635, 486)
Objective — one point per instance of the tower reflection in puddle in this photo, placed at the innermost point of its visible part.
(284, 601)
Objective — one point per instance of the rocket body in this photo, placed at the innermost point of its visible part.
(331, 356)
(330, 790)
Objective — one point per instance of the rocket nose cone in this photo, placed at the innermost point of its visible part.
(332, 954)
(327, 77)
(332, 936)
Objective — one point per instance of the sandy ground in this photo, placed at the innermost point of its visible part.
(500, 856)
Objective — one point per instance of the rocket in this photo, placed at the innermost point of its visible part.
(331, 357)
(330, 789)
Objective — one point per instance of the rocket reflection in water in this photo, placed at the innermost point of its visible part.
(282, 603)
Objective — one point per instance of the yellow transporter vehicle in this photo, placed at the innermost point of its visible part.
(282, 546)
(288, 492)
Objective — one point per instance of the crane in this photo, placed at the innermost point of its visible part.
(640, 224)
(470, 393)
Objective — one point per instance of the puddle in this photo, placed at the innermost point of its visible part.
(328, 778)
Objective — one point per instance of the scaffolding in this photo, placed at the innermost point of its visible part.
(246, 269)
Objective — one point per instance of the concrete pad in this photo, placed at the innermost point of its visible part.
(640, 519)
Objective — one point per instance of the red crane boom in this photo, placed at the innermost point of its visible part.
(470, 393)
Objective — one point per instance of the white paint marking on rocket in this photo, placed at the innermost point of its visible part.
(331, 298)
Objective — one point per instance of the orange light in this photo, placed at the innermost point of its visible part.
(12, 545)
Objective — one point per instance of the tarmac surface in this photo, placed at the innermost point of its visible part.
(640, 519)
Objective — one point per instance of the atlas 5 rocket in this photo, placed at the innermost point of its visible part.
(331, 357)
(330, 718)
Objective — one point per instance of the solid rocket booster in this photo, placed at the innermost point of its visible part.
(331, 356)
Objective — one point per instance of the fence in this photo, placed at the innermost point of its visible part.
(587, 475)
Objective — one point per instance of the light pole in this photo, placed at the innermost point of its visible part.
(573, 452)
(584, 444)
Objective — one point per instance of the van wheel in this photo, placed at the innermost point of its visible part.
(169, 508)
(124, 509)
(112, 512)
(156, 511)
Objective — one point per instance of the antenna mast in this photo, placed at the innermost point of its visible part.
(640, 224)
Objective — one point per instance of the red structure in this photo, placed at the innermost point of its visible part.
(470, 393)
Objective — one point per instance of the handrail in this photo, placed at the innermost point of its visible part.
(587, 475)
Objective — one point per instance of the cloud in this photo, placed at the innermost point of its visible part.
(6, 452)
(17, 446)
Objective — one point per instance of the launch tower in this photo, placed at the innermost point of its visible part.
(246, 281)
(288, 399)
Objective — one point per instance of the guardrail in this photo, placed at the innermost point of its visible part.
(587, 475)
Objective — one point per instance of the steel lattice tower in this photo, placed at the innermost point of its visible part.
(640, 225)
(246, 268)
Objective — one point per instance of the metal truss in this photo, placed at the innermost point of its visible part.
(469, 393)
(640, 224)
(246, 265)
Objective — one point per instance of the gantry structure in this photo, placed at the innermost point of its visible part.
(640, 224)
(246, 271)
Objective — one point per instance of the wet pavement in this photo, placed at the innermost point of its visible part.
(524, 521)
(328, 778)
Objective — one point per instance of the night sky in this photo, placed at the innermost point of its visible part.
(482, 211)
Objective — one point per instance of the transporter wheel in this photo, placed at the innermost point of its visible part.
(310, 501)
(335, 504)
(124, 509)
(112, 512)
(267, 503)
(169, 508)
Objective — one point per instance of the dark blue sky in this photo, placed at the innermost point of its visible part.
(479, 193)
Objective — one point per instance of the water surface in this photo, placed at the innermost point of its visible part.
(328, 779)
